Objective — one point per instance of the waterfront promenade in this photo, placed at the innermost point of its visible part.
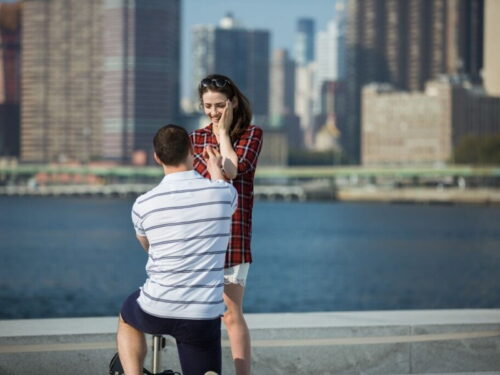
(379, 342)
(450, 184)
(317, 191)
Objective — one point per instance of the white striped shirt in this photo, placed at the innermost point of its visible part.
(187, 221)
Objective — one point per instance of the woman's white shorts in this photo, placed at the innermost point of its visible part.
(236, 274)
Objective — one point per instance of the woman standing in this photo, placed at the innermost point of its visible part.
(239, 143)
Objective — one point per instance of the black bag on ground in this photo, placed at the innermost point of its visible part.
(115, 366)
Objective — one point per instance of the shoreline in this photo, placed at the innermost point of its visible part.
(481, 196)
(407, 195)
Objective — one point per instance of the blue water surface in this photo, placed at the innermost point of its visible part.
(79, 257)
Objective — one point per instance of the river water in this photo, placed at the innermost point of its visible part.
(69, 257)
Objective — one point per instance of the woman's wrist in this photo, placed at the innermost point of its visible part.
(223, 132)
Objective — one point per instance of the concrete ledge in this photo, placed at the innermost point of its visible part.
(384, 342)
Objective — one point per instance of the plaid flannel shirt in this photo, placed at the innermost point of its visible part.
(247, 148)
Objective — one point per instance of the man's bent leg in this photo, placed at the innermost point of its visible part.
(131, 348)
(199, 346)
(196, 359)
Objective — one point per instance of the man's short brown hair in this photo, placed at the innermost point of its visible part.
(171, 144)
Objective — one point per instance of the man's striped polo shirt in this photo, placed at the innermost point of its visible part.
(187, 221)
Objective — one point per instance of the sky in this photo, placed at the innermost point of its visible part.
(277, 16)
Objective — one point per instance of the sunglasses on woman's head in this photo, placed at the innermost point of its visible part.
(214, 82)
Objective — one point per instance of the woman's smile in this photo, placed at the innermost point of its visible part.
(213, 105)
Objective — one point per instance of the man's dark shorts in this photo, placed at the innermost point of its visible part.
(198, 341)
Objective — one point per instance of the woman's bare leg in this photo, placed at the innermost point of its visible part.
(237, 329)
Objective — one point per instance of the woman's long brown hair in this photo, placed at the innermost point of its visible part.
(242, 114)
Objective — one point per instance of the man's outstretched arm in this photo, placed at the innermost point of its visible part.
(144, 242)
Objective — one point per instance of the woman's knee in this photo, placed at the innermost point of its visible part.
(233, 316)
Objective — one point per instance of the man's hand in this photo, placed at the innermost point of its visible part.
(214, 163)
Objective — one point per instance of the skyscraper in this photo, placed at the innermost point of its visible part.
(329, 91)
(203, 55)
(239, 53)
(282, 98)
(341, 20)
(304, 101)
(304, 41)
(330, 47)
(491, 49)
(407, 43)
(330, 55)
(99, 77)
(305, 94)
(61, 80)
(141, 70)
(10, 79)
(326, 56)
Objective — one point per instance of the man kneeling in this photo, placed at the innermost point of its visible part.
(184, 225)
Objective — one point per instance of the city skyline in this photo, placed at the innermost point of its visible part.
(196, 12)
(103, 98)
(258, 14)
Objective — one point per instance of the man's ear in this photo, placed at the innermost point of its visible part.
(157, 159)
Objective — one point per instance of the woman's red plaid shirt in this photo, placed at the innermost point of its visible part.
(247, 148)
